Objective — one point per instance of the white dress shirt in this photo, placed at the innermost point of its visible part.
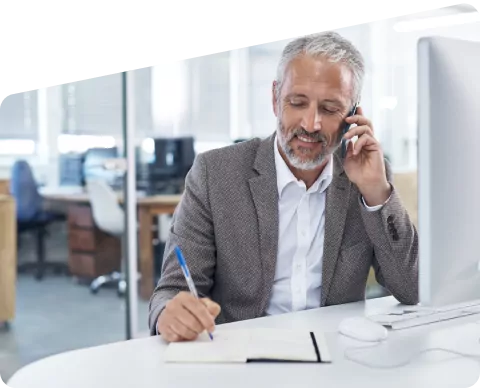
(298, 274)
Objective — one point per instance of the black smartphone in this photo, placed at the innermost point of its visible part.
(345, 129)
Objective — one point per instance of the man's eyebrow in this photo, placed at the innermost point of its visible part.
(300, 95)
(328, 100)
(334, 101)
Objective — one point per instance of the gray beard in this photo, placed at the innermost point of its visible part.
(299, 163)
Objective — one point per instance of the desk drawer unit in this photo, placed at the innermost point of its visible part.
(92, 252)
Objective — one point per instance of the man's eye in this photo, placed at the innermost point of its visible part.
(297, 103)
(330, 111)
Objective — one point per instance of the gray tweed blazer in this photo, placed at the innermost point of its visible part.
(227, 227)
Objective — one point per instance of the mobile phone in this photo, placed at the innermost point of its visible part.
(345, 129)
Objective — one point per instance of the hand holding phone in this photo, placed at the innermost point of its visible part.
(345, 129)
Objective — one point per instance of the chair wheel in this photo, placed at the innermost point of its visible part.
(93, 290)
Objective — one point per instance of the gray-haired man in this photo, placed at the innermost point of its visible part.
(286, 223)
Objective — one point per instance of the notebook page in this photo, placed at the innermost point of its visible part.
(226, 347)
(275, 344)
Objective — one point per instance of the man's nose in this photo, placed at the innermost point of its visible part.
(312, 121)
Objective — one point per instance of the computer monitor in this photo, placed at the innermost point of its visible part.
(174, 154)
(71, 169)
(448, 171)
(173, 158)
(94, 165)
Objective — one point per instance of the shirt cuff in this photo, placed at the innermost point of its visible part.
(375, 208)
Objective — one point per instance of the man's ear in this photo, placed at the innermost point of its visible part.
(274, 98)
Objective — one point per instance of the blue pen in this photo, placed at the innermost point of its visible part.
(188, 278)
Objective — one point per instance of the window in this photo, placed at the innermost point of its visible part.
(263, 70)
(17, 147)
(210, 113)
(169, 92)
(93, 108)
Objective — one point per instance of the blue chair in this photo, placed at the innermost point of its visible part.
(31, 216)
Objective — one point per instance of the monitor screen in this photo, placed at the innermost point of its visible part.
(93, 164)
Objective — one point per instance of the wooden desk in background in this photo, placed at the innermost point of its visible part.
(79, 215)
(8, 258)
(4, 187)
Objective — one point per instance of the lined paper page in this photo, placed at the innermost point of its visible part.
(291, 345)
(227, 346)
(254, 344)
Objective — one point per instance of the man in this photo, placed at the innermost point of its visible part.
(286, 223)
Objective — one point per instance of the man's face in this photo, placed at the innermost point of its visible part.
(315, 98)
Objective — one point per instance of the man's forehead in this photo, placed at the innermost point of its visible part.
(308, 76)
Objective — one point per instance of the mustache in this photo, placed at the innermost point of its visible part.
(315, 136)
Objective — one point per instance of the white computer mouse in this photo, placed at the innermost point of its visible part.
(363, 329)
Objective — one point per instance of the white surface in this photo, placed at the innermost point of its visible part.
(363, 329)
(61, 190)
(250, 344)
(141, 363)
(417, 316)
(448, 155)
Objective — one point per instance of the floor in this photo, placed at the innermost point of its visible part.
(57, 315)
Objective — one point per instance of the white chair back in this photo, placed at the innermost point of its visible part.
(106, 211)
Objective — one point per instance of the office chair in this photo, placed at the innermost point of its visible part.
(31, 216)
(110, 218)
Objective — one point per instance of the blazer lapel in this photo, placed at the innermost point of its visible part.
(265, 197)
(338, 196)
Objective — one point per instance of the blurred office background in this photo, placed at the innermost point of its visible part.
(66, 134)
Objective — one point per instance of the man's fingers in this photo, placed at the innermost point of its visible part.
(189, 319)
(177, 309)
(358, 119)
(365, 142)
(349, 152)
(182, 331)
(201, 314)
(170, 336)
(212, 307)
(167, 333)
(358, 131)
(185, 316)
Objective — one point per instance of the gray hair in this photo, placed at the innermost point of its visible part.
(330, 45)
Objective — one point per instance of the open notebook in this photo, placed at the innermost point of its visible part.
(251, 345)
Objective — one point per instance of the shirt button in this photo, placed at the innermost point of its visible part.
(303, 233)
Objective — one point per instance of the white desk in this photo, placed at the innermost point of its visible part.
(139, 363)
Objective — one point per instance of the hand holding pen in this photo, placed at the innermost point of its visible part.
(186, 316)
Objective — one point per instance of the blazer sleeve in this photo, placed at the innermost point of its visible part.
(395, 242)
(192, 229)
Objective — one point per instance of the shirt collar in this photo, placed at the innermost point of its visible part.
(285, 175)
